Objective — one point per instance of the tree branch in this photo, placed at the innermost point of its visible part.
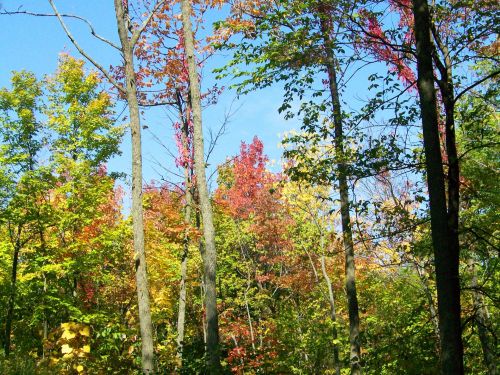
(63, 15)
(155, 104)
(137, 32)
(482, 145)
(464, 91)
(85, 54)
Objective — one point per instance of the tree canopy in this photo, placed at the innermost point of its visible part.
(370, 247)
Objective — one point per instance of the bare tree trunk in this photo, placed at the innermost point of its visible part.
(181, 315)
(137, 208)
(352, 298)
(445, 256)
(249, 317)
(129, 91)
(483, 322)
(453, 175)
(210, 259)
(187, 220)
(203, 316)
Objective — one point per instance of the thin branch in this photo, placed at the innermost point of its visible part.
(155, 104)
(160, 142)
(482, 145)
(220, 166)
(481, 238)
(161, 165)
(464, 91)
(137, 32)
(92, 30)
(82, 51)
(222, 129)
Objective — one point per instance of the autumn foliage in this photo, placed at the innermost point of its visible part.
(348, 201)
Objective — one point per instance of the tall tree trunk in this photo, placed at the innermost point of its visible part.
(446, 87)
(483, 322)
(210, 259)
(181, 315)
(12, 297)
(187, 221)
(137, 204)
(333, 316)
(453, 166)
(445, 67)
(445, 256)
(352, 298)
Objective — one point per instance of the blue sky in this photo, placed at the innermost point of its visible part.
(34, 43)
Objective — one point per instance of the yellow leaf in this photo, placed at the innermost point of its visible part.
(68, 335)
(66, 349)
(54, 360)
(86, 348)
(69, 326)
(85, 331)
(79, 368)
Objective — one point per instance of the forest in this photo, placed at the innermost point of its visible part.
(370, 247)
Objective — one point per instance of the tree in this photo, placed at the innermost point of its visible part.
(210, 252)
(21, 144)
(129, 34)
(267, 258)
(186, 159)
(478, 143)
(457, 37)
(165, 36)
(302, 37)
(326, 25)
(445, 254)
(169, 237)
(55, 204)
(310, 203)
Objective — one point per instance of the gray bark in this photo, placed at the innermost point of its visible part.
(146, 327)
(352, 298)
(187, 220)
(210, 258)
(129, 91)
